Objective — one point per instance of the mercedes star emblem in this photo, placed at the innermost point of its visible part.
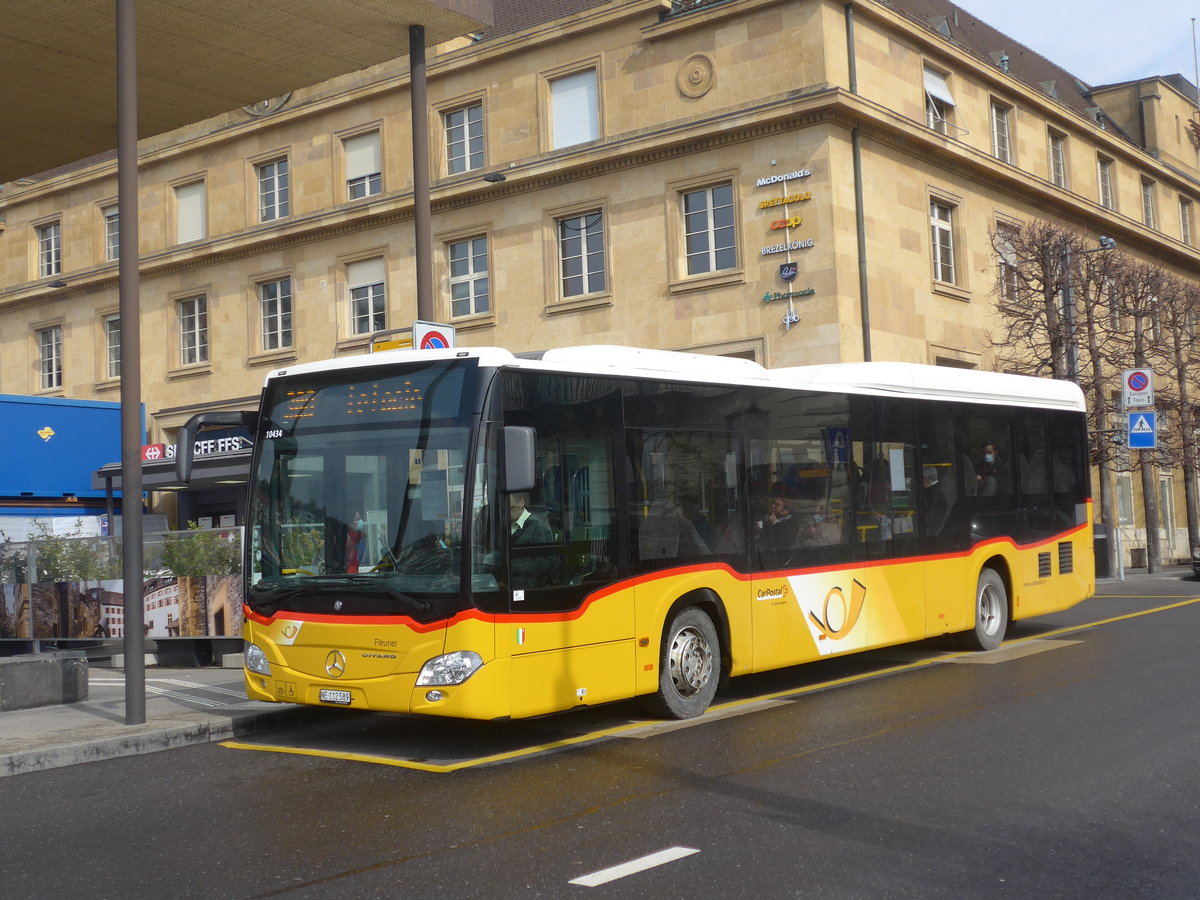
(335, 663)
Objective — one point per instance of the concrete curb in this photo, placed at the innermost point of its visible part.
(149, 738)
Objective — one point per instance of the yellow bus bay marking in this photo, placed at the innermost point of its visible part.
(642, 729)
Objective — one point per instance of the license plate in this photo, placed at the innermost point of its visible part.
(342, 698)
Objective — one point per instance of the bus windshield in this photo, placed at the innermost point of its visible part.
(359, 488)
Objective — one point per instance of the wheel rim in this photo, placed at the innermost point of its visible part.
(691, 661)
(989, 610)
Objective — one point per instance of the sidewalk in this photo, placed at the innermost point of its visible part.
(183, 706)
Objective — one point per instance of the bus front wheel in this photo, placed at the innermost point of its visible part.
(689, 665)
(991, 613)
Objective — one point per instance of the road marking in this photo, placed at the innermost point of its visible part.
(662, 857)
(1009, 652)
(212, 688)
(634, 729)
(156, 691)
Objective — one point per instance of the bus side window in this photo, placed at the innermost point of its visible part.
(684, 502)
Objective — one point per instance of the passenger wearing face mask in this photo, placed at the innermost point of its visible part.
(820, 530)
(354, 542)
(988, 470)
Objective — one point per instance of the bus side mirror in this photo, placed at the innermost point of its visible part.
(185, 440)
(519, 459)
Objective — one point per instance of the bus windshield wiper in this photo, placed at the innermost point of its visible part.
(376, 583)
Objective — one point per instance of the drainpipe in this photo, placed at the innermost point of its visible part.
(864, 300)
(422, 230)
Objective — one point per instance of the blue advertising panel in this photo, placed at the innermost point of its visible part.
(52, 445)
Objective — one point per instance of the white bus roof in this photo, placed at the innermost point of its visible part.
(877, 378)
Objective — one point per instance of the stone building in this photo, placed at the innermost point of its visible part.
(618, 171)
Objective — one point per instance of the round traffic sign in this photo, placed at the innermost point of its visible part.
(434, 340)
(1138, 381)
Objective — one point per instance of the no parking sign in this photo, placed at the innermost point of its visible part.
(432, 336)
(1137, 388)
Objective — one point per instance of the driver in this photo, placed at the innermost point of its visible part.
(533, 559)
(526, 527)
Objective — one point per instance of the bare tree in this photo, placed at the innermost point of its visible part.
(1055, 302)
(1033, 276)
(1138, 287)
(1175, 319)
(1103, 346)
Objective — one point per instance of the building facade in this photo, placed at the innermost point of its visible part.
(793, 182)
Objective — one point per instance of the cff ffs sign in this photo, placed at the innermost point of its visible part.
(1137, 388)
(206, 447)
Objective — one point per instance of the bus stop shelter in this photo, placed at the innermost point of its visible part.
(83, 76)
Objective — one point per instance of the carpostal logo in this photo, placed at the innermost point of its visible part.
(772, 593)
(834, 618)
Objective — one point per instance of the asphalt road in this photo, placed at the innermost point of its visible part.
(1062, 765)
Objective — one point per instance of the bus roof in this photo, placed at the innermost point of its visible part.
(878, 378)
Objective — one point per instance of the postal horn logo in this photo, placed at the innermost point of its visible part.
(838, 617)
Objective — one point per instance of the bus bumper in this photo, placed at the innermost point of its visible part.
(485, 695)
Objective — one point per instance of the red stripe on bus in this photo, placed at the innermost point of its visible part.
(644, 579)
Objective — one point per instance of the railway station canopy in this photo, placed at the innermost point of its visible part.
(195, 59)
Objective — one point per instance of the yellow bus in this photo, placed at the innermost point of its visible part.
(478, 534)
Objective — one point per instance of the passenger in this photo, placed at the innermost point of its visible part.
(988, 470)
(936, 504)
(354, 542)
(690, 508)
(820, 530)
(776, 533)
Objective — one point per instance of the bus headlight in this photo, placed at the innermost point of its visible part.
(451, 668)
(256, 660)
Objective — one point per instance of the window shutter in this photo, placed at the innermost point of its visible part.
(575, 115)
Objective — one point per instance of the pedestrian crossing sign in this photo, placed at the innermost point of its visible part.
(1143, 430)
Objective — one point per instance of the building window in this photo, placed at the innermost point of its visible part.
(708, 229)
(469, 277)
(273, 191)
(1104, 175)
(112, 346)
(1001, 146)
(193, 330)
(941, 220)
(112, 233)
(1185, 221)
(49, 249)
(1149, 219)
(275, 306)
(939, 102)
(1008, 275)
(1058, 159)
(574, 109)
(581, 254)
(368, 309)
(464, 139)
(363, 166)
(191, 219)
(50, 357)
(1125, 498)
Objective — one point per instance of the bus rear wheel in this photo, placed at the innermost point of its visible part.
(689, 666)
(991, 613)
